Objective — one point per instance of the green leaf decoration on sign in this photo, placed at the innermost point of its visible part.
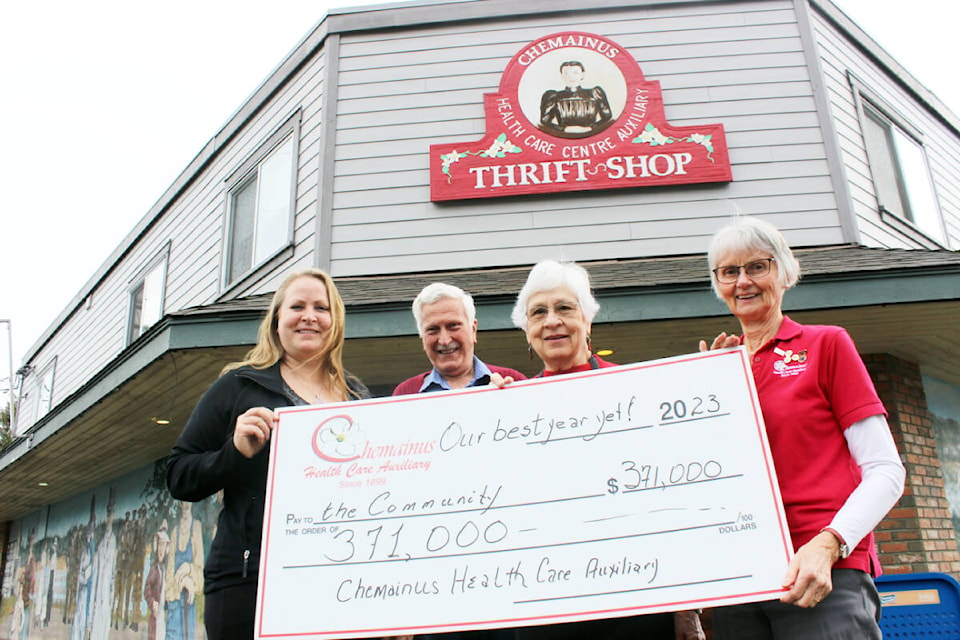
(653, 137)
(498, 149)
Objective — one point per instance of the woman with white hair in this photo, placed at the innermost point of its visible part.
(556, 308)
(837, 464)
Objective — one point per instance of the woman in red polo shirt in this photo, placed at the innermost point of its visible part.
(837, 464)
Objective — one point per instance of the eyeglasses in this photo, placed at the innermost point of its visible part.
(562, 309)
(728, 274)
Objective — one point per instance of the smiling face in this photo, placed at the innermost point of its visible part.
(752, 300)
(449, 339)
(557, 329)
(303, 320)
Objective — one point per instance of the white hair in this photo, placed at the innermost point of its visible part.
(745, 235)
(437, 291)
(550, 274)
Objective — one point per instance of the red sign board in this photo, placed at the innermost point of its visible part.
(574, 113)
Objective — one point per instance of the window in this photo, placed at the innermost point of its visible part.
(45, 390)
(146, 300)
(260, 206)
(900, 174)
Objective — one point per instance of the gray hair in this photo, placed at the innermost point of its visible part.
(437, 291)
(745, 235)
(550, 274)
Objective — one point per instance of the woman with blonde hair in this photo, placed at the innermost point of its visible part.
(225, 444)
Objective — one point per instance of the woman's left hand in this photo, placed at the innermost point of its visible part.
(722, 341)
(499, 381)
(808, 577)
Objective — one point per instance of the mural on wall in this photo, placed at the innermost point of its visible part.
(122, 561)
(574, 113)
(943, 402)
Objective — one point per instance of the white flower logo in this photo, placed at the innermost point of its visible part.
(448, 160)
(338, 439)
(500, 147)
(652, 136)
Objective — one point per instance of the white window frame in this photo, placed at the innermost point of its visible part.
(44, 385)
(287, 136)
(154, 274)
(910, 203)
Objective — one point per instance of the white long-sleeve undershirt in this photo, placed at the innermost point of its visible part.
(871, 444)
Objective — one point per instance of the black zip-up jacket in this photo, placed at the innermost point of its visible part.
(204, 461)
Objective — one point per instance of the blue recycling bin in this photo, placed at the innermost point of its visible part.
(919, 606)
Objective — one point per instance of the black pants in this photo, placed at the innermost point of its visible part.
(654, 626)
(229, 613)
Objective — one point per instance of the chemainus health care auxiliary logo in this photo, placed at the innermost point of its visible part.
(340, 441)
(574, 113)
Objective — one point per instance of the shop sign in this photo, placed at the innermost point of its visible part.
(574, 113)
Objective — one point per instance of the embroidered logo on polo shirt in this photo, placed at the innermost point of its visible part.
(791, 363)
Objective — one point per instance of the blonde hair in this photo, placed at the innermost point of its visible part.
(268, 350)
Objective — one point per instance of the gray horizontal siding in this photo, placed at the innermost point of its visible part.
(839, 56)
(740, 64)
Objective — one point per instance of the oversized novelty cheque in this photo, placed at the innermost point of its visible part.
(621, 491)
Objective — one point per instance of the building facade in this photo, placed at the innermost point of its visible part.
(330, 164)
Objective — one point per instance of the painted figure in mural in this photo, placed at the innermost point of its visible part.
(130, 553)
(103, 576)
(71, 558)
(122, 576)
(84, 600)
(183, 575)
(837, 465)
(155, 586)
(40, 585)
(225, 444)
(44, 592)
(574, 111)
(447, 323)
(16, 618)
(28, 580)
(136, 566)
(555, 308)
(51, 580)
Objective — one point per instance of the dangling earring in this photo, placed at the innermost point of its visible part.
(589, 344)
(530, 350)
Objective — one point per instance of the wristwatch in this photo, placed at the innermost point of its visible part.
(844, 548)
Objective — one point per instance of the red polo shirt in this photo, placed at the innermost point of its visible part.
(812, 385)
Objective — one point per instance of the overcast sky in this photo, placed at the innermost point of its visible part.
(105, 102)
